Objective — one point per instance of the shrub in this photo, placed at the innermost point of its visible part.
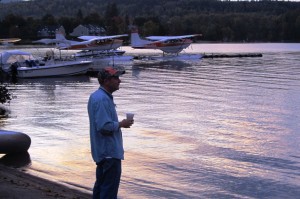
(5, 95)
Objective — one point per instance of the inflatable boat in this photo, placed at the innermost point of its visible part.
(13, 142)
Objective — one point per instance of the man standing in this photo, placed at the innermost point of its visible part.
(106, 135)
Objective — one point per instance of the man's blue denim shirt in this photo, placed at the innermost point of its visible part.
(105, 134)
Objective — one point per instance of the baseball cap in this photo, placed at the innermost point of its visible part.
(110, 72)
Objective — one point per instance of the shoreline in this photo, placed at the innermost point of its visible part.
(16, 184)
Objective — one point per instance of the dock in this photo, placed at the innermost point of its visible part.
(218, 55)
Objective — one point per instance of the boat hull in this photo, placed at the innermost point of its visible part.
(61, 69)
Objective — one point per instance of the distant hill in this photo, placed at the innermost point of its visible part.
(243, 21)
(134, 8)
(9, 1)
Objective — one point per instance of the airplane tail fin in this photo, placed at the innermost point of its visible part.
(60, 36)
(136, 41)
(62, 42)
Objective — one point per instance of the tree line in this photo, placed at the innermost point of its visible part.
(217, 21)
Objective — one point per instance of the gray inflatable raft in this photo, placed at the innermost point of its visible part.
(13, 142)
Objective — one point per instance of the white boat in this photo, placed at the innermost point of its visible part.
(62, 68)
(24, 65)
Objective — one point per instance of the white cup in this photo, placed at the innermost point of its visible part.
(129, 116)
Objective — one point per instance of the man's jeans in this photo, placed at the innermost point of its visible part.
(108, 175)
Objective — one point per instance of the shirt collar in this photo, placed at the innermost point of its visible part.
(105, 91)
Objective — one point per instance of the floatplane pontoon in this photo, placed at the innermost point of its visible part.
(171, 46)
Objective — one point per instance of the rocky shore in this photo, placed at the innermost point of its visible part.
(15, 184)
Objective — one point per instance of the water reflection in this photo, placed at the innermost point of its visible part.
(217, 128)
(175, 65)
(170, 65)
(55, 80)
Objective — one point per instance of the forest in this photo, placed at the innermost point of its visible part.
(217, 21)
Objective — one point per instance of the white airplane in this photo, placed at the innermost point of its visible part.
(98, 43)
(167, 44)
(9, 41)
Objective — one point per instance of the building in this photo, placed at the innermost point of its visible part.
(50, 31)
(87, 30)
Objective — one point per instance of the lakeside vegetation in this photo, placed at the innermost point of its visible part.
(218, 21)
(5, 97)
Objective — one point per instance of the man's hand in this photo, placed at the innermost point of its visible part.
(126, 123)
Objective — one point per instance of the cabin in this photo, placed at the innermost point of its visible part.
(86, 30)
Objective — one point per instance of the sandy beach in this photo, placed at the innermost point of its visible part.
(15, 184)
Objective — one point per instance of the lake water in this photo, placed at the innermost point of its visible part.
(210, 128)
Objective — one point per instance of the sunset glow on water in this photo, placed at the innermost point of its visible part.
(210, 128)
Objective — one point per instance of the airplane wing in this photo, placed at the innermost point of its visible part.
(47, 41)
(62, 43)
(166, 38)
(9, 40)
(92, 38)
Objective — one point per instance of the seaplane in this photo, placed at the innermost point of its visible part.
(171, 46)
(102, 50)
(97, 43)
